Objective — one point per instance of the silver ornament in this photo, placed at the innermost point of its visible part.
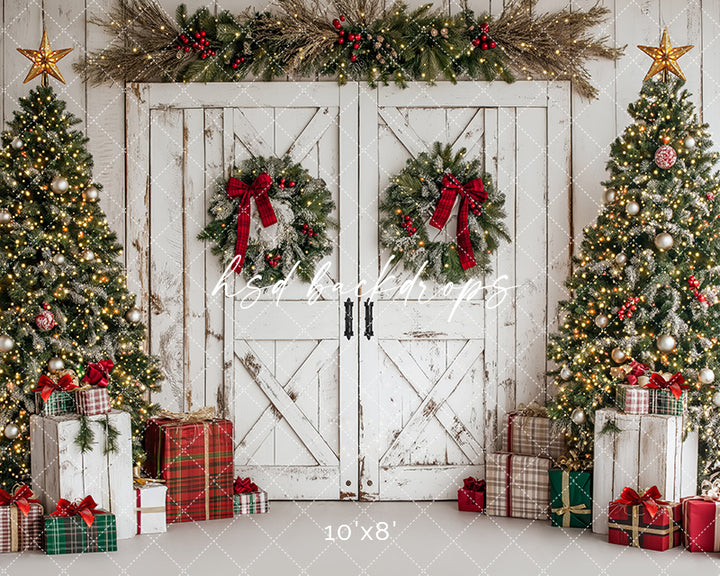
(665, 343)
(578, 416)
(618, 355)
(632, 208)
(716, 399)
(610, 196)
(59, 184)
(601, 321)
(55, 364)
(88, 255)
(133, 315)
(6, 343)
(17, 143)
(59, 259)
(565, 373)
(91, 194)
(5, 217)
(11, 430)
(621, 259)
(663, 241)
(706, 376)
(689, 142)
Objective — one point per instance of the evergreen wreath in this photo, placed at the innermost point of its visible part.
(413, 199)
(301, 205)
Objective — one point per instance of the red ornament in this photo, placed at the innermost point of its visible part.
(665, 157)
(45, 320)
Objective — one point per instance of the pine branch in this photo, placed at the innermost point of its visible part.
(85, 437)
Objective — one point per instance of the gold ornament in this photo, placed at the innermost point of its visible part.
(665, 58)
(44, 61)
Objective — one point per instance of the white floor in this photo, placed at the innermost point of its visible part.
(423, 538)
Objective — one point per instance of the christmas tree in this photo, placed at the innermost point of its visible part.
(63, 293)
(645, 285)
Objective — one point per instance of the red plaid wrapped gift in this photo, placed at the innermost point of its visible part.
(249, 499)
(644, 521)
(471, 497)
(21, 520)
(93, 399)
(701, 519)
(193, 453)
(54, 395)
(529, 431)
(518, 486)
(632, 399)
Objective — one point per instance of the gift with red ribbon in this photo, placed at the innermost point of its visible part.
(248, 498)
(236, 188)
(701, 519)
(21, 520)
(667, 393)
(98, 373)
(93, 399)
(85, 509)
(644, 520)
(46, 386)
(471, 497)
(55, 396)
(472, 195)
(244, 485)
(79, 526)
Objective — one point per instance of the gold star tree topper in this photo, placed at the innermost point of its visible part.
(44, 61)
(665, 58)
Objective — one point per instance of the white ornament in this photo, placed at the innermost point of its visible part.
(632, 208)
(91, 194)
(55, 364)
(689, 142)
(578, 416)
(133, 315)
(665, 343)
(11, 430)
(88, 255)
(5, 217)
(664, 241)
(716, 399)
(706, 376)
(621, 259)
(665, 157)
(601, 321)
(59, 184)
(17, 143)
(565, 373)
(610, 196)
(59, 259)
(618, 355)
(6, 343)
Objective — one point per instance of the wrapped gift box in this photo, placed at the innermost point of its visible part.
(701, 522)
(641, 450)
(532, 435)
(92, 401)
(57, 404)
(664, 402)
(471, 497)
(60, 470)
(570, 498)
(518, 485)
(635, 526)
(196, 461)
(21, 522)
(251, 503)
(632, 399)
(71, 535)
(150, 507)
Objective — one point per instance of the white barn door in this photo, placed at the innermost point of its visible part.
(433, 390)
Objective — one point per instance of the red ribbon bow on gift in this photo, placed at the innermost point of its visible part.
(85, 509)
(650, 499)
(22, 497)
(244, 485)
(636, 369)
(471, 483)
(97, 373)
(676, 384)
(46, 386)
(259, 190)
(471, 193)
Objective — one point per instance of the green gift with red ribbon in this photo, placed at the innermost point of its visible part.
(667, 393)
(55, 396)
(21, 520)
(644, 520)
(79, 527)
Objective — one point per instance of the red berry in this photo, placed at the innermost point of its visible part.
(282, 185)
(234, 65)
(484, 46)
(476, 42)
(178, 47)
(633, 307)
(202, 33)
(342, 18)
(203, 55)
(353, 58)
(413, 229)
(187, 48)
(407, 218)
(336, 23)
(212, 52)
(242, 59)
(341, 41)
(485, 27)
(701, 297)
(629, 314)
(291, 184)
(197, 35)
(356, 46)
(342, 32)
(492, 44)
(483, 37)
(351, 37)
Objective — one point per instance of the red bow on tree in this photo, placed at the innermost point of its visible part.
(22, 497)
(244, 485)
(85, 509)
(471, 483)
(46, 386)
(97, 373)
(676, 384)
(472, 194)
(259, 190)
(650, 499)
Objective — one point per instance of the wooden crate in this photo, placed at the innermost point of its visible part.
(647, 451)
(61, 470)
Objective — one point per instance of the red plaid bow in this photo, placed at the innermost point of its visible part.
(86, 509)
(471, 193)
(650, 499)
(46, 386)
(676, 384)
(259, 190)
(471, 483)
(22, 497)
(244, 485)
(97, 373)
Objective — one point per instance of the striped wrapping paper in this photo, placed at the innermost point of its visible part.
(59, 402)
(632, 399)
(532, 436)
(251, 503)
(19, 532)
(92, 401)
(517, 486)
(70, 534)
(196, 461)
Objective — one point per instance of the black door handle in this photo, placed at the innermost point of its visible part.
(369, 318)
(348, 318)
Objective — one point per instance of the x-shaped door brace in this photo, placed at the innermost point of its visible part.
(434, 396)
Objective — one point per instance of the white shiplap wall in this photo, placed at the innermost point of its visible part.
(595, 124)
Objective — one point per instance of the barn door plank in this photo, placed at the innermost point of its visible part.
(471, 138)
(313, 131)
(250, 137)
(405, 133)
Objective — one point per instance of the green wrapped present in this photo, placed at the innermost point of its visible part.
(667, 393)
(55, 394)
(79, 528)
(571, 498)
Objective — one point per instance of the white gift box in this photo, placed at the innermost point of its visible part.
(648, 450)
(60, 470)
(150, 510)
